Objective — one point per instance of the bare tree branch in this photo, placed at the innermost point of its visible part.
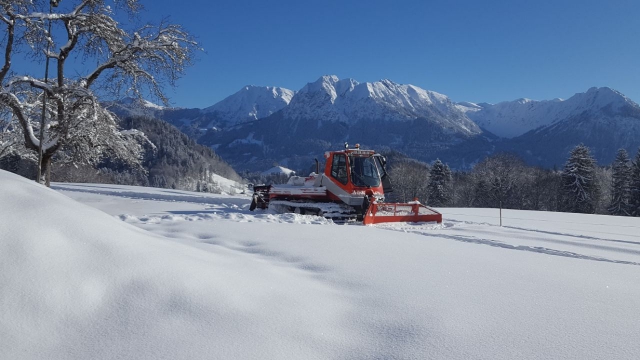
(138, 62)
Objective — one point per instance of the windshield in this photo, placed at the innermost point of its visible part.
(364, 171)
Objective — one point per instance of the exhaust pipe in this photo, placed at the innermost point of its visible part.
(317, 166)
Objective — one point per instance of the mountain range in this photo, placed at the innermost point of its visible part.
(259, 126)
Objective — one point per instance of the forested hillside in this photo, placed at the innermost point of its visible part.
(178, 161)
(170, 160)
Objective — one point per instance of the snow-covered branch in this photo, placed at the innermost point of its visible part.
(165, 51)
(33, 82)
(74, 121)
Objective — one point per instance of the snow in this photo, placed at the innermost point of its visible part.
(107, 271)
(277, 170)
(149, 104)
(249, 140)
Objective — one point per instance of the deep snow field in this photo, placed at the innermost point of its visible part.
(90, 271)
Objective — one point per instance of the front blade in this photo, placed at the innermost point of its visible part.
(400, 212)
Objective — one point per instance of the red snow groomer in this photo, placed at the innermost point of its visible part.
(351, 188)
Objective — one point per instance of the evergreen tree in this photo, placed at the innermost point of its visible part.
(438, 187)
(579, 189)
(620, 184)
(634, 187)
(447, 173)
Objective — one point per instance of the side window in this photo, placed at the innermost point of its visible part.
(339, 168)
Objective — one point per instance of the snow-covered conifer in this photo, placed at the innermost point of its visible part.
(579, 188)
(620, 184)
(438, 187)
(634, 187)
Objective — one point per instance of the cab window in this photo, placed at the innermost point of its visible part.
(364, 172)
(339, 168)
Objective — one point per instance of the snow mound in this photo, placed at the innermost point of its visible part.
(76, 283)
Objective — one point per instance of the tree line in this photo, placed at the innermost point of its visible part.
(504, 180)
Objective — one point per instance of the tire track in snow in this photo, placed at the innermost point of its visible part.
(586, 237)
(161, 195)
(500, 244)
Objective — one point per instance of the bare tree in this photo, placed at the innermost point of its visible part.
(540, 191)
(10, 135)
(410, 179)
(499, 177)
(76, 127)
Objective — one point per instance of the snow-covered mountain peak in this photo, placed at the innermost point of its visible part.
(408, 96)
(325, 83)
(600, 97)
(349, 101)
(140, 103)
(344, 86)
(251, 103)
(329, 85)
(131, 106)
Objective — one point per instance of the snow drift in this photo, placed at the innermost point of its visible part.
(76, 283)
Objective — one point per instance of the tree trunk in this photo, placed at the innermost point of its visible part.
(45, 166)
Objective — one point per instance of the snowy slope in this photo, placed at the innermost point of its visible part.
(201, 277)
(514, 118)
(135, 107)
(278, 170)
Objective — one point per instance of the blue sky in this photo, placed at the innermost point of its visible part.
(472, 50)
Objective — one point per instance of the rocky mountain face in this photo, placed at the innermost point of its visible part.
(260, 126)
(510, 119)
(249, 104)
(325, 114)
(602, 119)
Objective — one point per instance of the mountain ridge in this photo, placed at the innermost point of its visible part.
(510, 119)
(421, 123)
